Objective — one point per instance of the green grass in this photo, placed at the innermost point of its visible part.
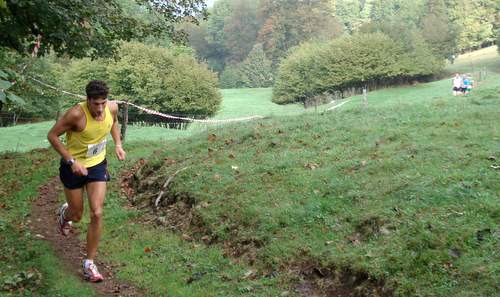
(236, 104)
(396, 189)
(28, 266)
(483, 59)
(249, 102)
(400, 189)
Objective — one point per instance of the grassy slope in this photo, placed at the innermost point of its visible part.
(448, 184)
(401, 189)
(237, 103)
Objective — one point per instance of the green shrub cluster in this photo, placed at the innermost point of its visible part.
(313, 69)
(254, 72)
(156, 77)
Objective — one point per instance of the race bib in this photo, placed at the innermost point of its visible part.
(95, 149)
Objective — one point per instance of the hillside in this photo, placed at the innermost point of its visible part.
(398, 198)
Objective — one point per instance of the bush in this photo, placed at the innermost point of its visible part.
(80, 72)
(155, 77)
(350, 62)
(167, 80)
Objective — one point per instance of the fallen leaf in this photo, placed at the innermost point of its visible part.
(212, 137)
(250, 273)
(147, 249)
(455, 253)
(311, 166)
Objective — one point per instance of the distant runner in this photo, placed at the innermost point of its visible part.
(467, 85)
(83, 165)
(457, 84)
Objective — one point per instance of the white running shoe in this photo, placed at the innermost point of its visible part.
(90, 272)
(63, 226)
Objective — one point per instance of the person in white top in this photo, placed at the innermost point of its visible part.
(457, 84)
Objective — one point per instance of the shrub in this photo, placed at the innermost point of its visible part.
(162, 80)
(167, 80)
(349, 62)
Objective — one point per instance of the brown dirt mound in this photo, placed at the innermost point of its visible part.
(70, 249)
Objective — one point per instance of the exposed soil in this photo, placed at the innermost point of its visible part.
(317, 280)
(309, 277)
(69, 248)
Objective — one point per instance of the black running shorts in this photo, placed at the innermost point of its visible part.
(71, 181)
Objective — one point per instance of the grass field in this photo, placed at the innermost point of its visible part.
(399, 196)
(236, 104)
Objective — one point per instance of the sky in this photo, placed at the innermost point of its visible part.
(210, 2)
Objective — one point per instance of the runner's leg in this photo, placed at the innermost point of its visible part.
(96, 191)
(75, 204)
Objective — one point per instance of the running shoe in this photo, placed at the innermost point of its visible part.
(90, 272)
(63, 226)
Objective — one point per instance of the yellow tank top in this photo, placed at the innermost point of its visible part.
(88, 147)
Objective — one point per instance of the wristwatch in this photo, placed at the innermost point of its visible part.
(70, 162)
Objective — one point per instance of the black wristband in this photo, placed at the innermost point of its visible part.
(70, 162)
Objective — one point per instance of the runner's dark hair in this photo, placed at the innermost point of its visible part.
(96, 89)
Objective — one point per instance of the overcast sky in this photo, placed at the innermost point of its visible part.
(210, 2)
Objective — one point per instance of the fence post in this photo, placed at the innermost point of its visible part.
(125, 120)
(365, 96)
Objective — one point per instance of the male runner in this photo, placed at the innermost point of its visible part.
(83, 165)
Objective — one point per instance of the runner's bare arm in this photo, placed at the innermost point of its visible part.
(66, 123)
(115, 132)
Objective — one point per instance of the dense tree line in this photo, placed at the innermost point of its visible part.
(235, 26)
(316, 69)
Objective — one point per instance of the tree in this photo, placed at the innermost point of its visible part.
(474, 20)
(240, 29)
(285, 25)
(256, 70)
(437, 29)
(498, 41)
(37, 101)
(81, 28)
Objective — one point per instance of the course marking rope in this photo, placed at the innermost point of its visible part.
(157, 113)
(154, 112)
(338, 105)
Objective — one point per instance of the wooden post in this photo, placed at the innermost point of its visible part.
(365, 97)
(125, 120)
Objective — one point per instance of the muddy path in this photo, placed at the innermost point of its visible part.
(70, 249)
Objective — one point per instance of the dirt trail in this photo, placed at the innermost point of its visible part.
(70, 249)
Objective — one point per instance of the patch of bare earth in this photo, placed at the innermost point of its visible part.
(313, 279)
(69, 248)
(179, 213)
